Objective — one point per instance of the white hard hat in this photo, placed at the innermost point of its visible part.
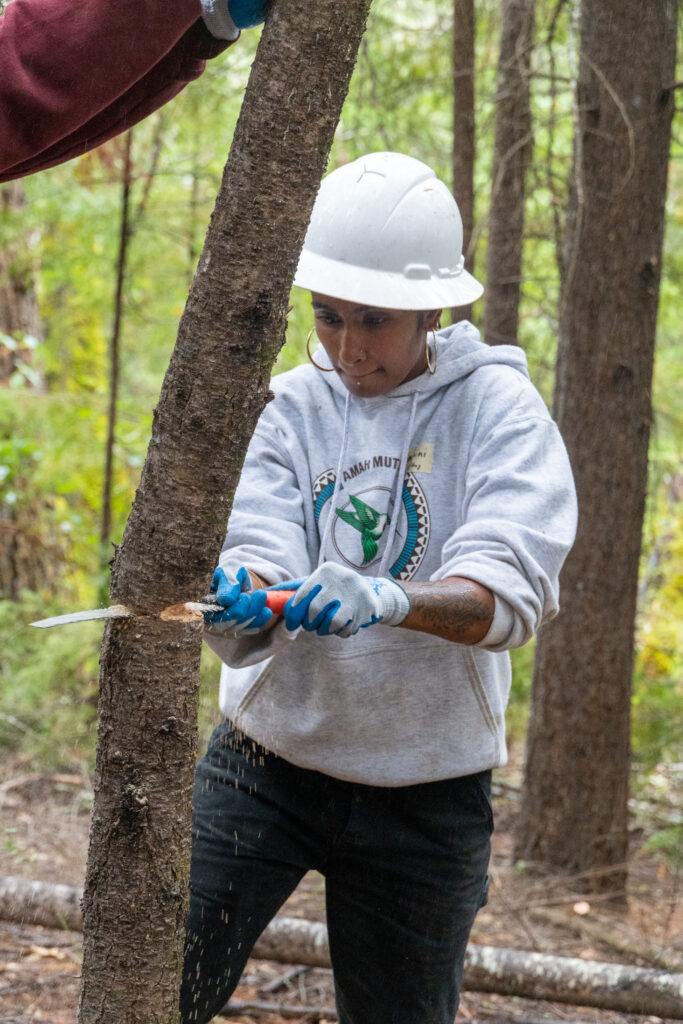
(386, 232)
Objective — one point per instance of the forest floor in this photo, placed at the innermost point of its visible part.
(44, 820)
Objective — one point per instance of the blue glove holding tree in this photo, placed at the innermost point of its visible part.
(244, 609)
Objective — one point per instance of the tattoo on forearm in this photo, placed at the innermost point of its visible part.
(454, 611)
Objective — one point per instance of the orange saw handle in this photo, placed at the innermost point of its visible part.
(276, 599)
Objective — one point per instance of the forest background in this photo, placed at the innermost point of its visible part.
(61, 235)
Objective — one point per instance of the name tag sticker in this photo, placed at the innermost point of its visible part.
(420, 459)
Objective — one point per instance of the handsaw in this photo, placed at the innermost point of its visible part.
(188, 611)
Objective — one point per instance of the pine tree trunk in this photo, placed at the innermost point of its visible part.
(215, 388)
(463, 130)
(574, 811)
(115, 345)
(18, 300)
(512, 151)
(29, 551)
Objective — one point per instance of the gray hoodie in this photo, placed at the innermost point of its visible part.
(460, 473)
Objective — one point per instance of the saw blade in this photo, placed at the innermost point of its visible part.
(115, 611)
(275, 600)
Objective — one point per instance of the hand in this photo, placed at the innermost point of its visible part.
(247, 13)
(244, 609)
(334, 599)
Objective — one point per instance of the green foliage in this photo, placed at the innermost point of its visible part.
(48, 700)
(209, 712)
(50, 458)
(667, 844)
(657, 705)
(49, 692)
(657, 812)
(520, 693)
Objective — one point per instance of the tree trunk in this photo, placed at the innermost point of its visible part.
(114, 345)
(214, 390)
(463, 131)
(18, 300)
(193, 204)
(574, 809)
(487, 969)
(29, 552)
(128, 224)
(511, 155)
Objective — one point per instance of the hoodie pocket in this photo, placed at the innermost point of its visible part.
(258, 684)
(278, 668)
(481, 698)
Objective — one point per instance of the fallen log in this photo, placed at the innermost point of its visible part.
(563, 979)
(487, 969)
(238, 1007)
(53, 906)
(294, 940)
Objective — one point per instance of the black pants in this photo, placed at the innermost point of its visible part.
(405, 872)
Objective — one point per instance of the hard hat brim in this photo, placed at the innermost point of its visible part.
(377, 288)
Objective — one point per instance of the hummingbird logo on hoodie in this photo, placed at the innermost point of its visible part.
(369, 523)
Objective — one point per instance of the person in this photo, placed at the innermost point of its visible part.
(74, 75)
(413, 492)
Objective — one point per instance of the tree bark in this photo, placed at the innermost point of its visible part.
(43, 903)
(288, 1011)
(463, 130)
(571, 980)
(18, 301)
(487, 969)
(115, 344)
(215, 388)
(511, 155)
(574, 807)
(29, 552)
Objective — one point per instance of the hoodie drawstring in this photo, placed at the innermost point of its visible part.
(395, 508)
(337, 482)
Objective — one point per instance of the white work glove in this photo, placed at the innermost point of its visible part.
(334, 599)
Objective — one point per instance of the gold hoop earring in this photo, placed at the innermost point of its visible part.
(431, 367)
(323, 369)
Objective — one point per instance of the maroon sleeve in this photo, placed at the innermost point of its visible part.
(72, 75)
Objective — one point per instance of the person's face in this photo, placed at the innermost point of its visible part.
(372, 349)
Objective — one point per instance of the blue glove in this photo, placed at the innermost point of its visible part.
(244, 609)
(334, 599)
(247, 13)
